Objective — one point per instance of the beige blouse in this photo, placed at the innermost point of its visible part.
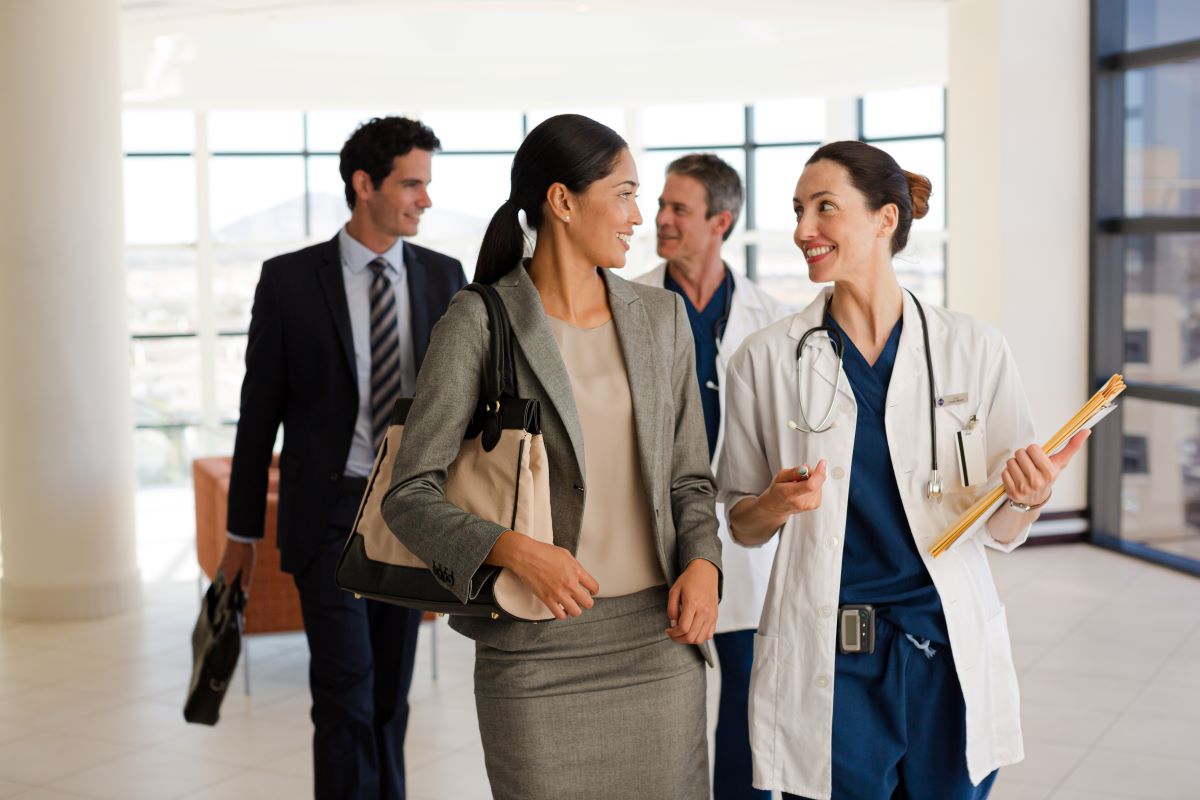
(616, 543)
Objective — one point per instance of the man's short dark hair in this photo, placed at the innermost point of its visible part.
(374, 145)
(722, 186)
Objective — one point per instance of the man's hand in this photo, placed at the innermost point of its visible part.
(237, 558)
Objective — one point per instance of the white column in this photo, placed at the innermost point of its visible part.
(1017, 137)
(66, 450)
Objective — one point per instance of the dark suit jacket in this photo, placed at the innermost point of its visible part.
(300, 372)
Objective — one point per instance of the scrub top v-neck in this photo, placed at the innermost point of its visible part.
(880, 563)
(705, 328)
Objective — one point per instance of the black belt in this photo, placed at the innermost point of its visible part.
(352, 486)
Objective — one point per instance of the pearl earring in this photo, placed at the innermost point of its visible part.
(566, 217)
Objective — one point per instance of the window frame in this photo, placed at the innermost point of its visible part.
(1110, 61)
(211, 424)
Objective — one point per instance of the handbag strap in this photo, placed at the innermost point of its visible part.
(499, 378)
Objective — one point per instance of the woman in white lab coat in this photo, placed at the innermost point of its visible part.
(918, 697)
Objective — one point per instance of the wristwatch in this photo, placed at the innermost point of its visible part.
(1022, 508)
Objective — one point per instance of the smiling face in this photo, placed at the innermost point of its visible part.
(605, 214)
(838, 233)
(394, 208)
(685, 232)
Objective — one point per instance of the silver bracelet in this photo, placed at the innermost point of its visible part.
(1022, 508)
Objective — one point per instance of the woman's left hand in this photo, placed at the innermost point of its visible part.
(692, 603)
(1030, 473)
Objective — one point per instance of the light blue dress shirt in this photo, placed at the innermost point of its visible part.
(357, 277)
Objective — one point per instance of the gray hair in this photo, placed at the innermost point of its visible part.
(722, 186)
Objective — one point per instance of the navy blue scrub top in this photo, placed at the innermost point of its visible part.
(880, 562)
(707, 332)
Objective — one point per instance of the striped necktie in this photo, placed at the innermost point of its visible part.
(385, 351)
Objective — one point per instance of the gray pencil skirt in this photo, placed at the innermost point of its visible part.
(604, 706)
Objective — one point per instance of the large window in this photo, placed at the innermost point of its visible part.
(1144, 489)
(911, 125)
(211, 195)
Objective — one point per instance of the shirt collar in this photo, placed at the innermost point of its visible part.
(356, 256)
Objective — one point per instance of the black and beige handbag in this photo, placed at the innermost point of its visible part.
(501, 474)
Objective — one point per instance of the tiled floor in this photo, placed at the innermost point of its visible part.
(1108, 649)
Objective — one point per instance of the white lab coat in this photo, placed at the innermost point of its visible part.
(746, 571)
(792, 685)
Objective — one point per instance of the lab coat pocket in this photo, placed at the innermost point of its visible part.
(764, 698)
(1002, 683)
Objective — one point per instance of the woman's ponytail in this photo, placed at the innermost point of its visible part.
(569, 149)
(503, 244)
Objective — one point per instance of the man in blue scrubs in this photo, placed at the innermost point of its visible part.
(698, 209)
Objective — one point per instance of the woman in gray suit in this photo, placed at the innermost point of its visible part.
(608, 700)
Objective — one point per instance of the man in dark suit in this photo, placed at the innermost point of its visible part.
(338, 331)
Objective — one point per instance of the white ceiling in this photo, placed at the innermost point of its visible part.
(520, 53)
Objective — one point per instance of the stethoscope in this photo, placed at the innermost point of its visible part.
(933, 489)
(718, 326)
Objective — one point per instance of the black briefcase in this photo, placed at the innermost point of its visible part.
(216, 645)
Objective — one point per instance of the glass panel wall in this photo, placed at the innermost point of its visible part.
(1144, 475)
(1151, 23)
(210, 195)
(1162, 126)
(1160, 477)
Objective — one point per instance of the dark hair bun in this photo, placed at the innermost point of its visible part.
(920, 188)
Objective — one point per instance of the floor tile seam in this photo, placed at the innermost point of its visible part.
(93, 739)
(1033, 664)
(1152, 679)
(1079, 759)
(279, 770)
(1126, 715)
(1163, 658)
(190, 790)
(78, 737)
(1088, 749)
(443, 756)
(1188, 761)
(50, 784)
(84, 715)
(213, 758)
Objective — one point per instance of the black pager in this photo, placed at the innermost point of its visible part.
(856, 629)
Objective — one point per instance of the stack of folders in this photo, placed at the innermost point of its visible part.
(1094, 410)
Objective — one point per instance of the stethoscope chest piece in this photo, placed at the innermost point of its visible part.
(933, 489)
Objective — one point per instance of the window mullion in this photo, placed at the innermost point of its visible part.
(206, 317)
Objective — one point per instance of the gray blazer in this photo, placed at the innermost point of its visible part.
(656, 338)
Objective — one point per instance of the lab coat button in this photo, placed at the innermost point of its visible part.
(838, 473)
(826, 611)
(832, 543)
(823, 682)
